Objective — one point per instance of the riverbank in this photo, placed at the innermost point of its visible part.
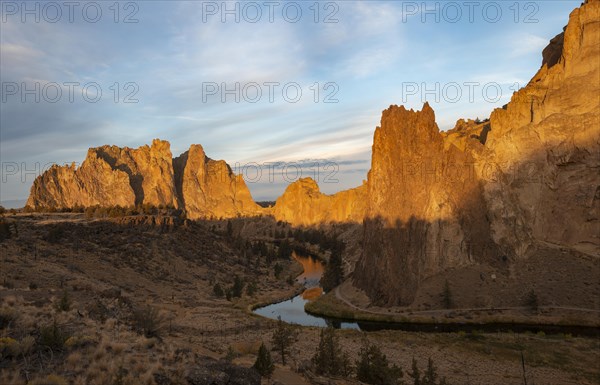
(546, 319)
(295, 269)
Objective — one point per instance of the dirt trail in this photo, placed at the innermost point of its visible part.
(442, 312)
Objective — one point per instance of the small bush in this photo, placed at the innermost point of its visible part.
(8, 317)
(231, 354)
(532, 301)
(9, 347)
(64, 304)
(26, 345)
(218, 291)
(80, 341)
(53, 336)
(147, 321)
(55, 234)
(8, 284)
(251, 289)
(5, 232)
(447, 298)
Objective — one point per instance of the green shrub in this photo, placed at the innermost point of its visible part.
(53, 336)
(64, 304)
(532, 301)
(9, 347)
(374, 368)
(264, 363)
(5, 232)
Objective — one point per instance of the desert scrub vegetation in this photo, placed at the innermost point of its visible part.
(64, 303)
(148, 321)
(53, 336)
(8, 316)
(42, 345)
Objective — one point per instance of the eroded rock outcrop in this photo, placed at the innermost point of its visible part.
(426, 208)
(208, 188)
(303, 204)
(150, 171)
(94, 183)
(115, 176)
(491, 192)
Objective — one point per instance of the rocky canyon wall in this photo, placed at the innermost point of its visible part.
(493, 192)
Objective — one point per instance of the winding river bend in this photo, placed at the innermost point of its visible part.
(292, 310)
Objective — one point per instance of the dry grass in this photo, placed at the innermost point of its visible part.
(111, 270)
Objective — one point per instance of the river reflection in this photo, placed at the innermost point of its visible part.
(292, 311)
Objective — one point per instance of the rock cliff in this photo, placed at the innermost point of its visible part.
(114, 176)
(494, 192)
(208, 188)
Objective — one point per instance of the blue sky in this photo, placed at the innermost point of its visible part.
(369, 54)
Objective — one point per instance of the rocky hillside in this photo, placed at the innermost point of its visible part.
(114, 176)
(490, 193)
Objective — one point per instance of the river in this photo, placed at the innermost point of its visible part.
(292, 310)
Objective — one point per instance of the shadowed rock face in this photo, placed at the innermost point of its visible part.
(112, 176)
(423, 200)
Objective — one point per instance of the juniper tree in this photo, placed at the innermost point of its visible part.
(374, 368)
(283, 337)
(447, 300)
(264, 363)
(330, 359)
(532, 301)
(334, 271)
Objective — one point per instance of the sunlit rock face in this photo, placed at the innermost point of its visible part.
(94, 183)
(426, 208)
(111, 176)
(546, 146)
(208, 188)
(150, 171)
(494, 191)
(303, 204)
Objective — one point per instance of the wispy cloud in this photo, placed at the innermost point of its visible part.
(368, 53)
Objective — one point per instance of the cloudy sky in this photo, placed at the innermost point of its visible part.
(299, 84)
